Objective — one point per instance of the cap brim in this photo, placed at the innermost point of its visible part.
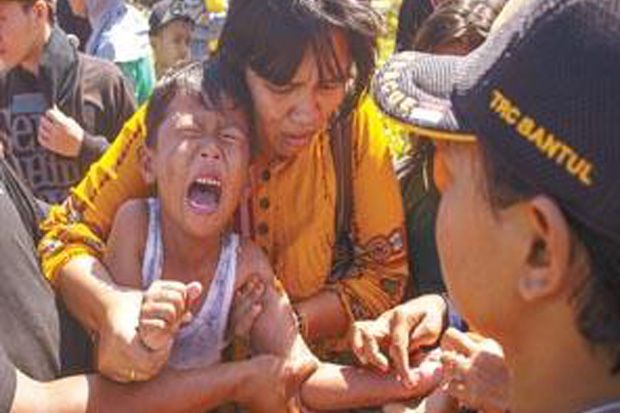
(414, 89)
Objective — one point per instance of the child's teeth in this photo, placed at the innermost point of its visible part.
(208, 181)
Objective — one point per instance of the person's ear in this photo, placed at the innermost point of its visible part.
(41, 9)
(549, 255)
(147, 161)
(155, 41)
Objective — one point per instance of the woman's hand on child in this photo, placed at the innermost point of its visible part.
(119, 353)
(246, 308)
(399, 332)
(166, 305)
(271, 384)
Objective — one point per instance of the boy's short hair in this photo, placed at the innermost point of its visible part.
(205, 80)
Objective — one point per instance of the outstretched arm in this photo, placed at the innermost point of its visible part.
(273, 378)
(331, 386)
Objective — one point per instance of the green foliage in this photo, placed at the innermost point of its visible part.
(389, 9)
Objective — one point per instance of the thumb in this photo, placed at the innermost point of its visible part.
(300, 370)
(193, 291)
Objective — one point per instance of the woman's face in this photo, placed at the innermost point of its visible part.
(287, 117)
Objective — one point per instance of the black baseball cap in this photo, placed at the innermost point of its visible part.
(542, 94)
(166, 11)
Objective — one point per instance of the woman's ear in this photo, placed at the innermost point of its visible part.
(548, 260)
(147, 160)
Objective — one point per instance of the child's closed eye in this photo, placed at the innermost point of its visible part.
(232, 134)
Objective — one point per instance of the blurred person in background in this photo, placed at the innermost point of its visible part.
(170, 31)
(60, 108)
(120, 34)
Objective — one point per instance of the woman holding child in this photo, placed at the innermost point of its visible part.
(305, 65)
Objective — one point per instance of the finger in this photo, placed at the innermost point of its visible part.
(298, 372)
(152, 324)
(257, 290)
(170, 285)
(193, 290)
(467, 395)
(243, 327)
(155, 335)
(45, 131)
(426, 377)
(357, 343)
(400, 326)
(172, 297)
(454, 340)
(54, 115)
(456, 367)
(373, 354)
(161, 310)
(44, 139)
(45, 123)
(244, 301)
(250, 286)
(427, 330)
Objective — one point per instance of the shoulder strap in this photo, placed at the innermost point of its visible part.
(152, 260)
(342, 152)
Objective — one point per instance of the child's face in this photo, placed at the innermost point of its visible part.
(172, 44)
(200, 164)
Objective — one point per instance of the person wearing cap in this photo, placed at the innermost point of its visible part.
(119, 33)
(170, 30)
(526, 133)
(59, 108)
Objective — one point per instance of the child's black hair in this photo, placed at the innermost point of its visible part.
(205, 80)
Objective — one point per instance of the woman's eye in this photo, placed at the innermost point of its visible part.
(279, 89)
(330, 86)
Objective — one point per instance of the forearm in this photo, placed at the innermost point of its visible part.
(323, 315)
(85, 287)
(172, 391)
(334, 387)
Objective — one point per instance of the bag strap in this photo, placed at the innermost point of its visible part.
(342, 152)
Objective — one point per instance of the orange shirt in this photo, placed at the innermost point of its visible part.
(289, 212)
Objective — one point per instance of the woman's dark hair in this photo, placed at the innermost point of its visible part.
(207, 80)
(597, 299)
(467, 22)
(271, 37)
(411, 15)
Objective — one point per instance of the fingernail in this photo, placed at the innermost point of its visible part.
(412, 380)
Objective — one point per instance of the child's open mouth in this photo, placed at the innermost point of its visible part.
(203, 194)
